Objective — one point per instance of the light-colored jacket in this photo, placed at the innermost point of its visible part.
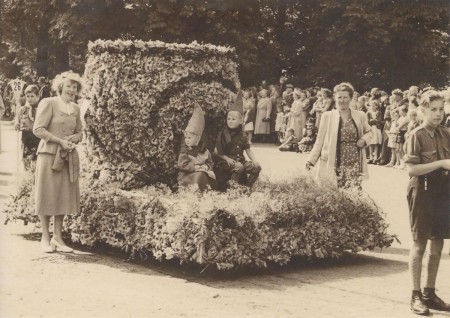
(52, 124)
(325, 147)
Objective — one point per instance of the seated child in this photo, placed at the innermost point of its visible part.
(195, 162)
(306, 144)
(230, 163)
(24, 122)
(289, 142)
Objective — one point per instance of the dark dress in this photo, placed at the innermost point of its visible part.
(348, 164)
(429, 195)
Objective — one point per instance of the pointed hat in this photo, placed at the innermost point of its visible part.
(197, 122)
(238, 105)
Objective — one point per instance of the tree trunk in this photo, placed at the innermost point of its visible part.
(61, 54)
(42, 52)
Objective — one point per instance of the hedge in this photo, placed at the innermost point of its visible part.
(141, 98)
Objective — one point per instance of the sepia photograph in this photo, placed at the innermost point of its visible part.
(224, 158)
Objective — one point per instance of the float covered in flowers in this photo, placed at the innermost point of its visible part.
(141, 96)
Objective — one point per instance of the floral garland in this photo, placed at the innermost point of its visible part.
(232, 229)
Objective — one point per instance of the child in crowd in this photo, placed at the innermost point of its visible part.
(361, 106)
(402, 127)
(195, 162)
(249, 115)
(24, 121)
(306, 144)
(413, 122)
(428, 164)
(231, 165)
(279, 122)
(375, 121)
(289, 142)
(392, 133)
(286, 117)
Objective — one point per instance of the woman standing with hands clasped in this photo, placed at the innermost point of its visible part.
(427, 160)
(343, 135)
(58, 124)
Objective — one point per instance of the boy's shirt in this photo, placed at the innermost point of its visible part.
(232, 143)
(25, 117)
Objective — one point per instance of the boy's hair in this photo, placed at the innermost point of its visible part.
(32, 89)
(430, 96)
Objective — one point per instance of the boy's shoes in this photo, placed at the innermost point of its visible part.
(432, 301)
(418, 306)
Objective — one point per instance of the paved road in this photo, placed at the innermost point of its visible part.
(85, 284)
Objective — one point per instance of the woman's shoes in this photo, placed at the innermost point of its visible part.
(46, 247)
(60, 247)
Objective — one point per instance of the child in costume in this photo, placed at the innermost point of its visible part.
(195, 162)
(231, 165)
(24, 122)
(427, 160)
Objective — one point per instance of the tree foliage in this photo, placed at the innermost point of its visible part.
(382, 43)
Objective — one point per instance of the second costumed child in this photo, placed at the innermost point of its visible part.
(231, 165)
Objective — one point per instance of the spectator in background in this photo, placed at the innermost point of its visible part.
(374, 119)
(44, 88)
(354, 102)
(249, 115)
(326, 104)
(361, 106)
(283, 80)
(298, 120)
(263, 113)
(290, 142)
(287, 95)
(24, 121)
(276, 102)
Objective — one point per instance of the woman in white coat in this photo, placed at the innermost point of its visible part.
(339, 148)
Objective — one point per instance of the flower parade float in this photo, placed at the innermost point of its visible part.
(141, 96)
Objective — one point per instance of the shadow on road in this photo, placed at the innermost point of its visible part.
(297, 273)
